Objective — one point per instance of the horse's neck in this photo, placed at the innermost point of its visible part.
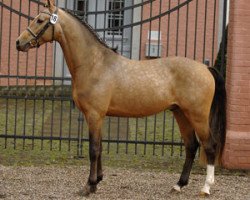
(78, 45)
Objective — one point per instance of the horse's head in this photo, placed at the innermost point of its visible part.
(41, 29)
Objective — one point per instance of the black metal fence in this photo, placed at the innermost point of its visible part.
(36, 107)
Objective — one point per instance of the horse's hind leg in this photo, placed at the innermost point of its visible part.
(209, 146)
(191, 146)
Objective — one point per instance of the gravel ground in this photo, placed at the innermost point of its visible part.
(40, 183)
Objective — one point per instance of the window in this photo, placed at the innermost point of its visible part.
(116, 19)
(82, 7)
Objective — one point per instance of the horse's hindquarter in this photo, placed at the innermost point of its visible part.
(141, 88)
(194, 87)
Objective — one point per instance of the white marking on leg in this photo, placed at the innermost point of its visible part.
(177, 188)
(209, 179)
(198, 139)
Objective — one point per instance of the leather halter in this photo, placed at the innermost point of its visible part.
(34, 41)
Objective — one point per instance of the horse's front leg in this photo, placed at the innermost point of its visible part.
(94, 121)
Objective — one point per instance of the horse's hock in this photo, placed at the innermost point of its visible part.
(237, 149)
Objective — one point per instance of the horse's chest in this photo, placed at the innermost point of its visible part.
(75, 97)
(80, 96)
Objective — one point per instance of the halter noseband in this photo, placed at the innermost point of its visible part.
(36, 37)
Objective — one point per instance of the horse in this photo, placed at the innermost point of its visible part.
(105, 83)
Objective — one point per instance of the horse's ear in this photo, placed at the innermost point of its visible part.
(51, 5)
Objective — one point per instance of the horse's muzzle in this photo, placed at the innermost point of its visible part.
(20, 47)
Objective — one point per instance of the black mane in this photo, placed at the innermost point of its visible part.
(91, 30)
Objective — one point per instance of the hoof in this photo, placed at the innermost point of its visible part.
(99, 178)
(87, 190)
(176, 189)
(204, 194)
(205, 191)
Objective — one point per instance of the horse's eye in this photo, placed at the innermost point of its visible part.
(39, 21)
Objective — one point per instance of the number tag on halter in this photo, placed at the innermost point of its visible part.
(53, 18)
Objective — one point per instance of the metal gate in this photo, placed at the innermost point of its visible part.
(36, 107)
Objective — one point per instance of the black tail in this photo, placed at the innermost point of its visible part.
(218, 113)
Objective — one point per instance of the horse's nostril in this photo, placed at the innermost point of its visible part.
(17, 43)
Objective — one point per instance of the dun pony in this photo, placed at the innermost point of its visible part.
(105, 83)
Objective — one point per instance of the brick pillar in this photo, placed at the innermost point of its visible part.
(237, 149)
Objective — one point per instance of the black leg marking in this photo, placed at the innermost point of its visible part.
(99, 165)
(191, 150)
(210, 150)
(92, 183)
(99, 178)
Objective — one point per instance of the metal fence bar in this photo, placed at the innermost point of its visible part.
(159, 30)
(223, 37)
(150, 28)
(163, 133)
(118, 135)
(214, 22)
(136, 136)
(127, 136)
(145, 135)
(28, 77)
(17, 68)
(196, 26)
(26, 85)
(177, 30)
(168, 35)
(187, 28)
(172, 137)
(70, 119)
(154, 139)
(8, 81)
(205, 31)
(86, 140)
(109, 131)
(140, 47)
(1, 28)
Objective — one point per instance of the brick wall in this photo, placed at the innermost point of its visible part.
(12, 62)
(188, 45)
(237, 150)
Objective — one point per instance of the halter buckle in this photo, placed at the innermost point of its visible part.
(34, 43)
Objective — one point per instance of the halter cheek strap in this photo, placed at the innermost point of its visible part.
(36, 37)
